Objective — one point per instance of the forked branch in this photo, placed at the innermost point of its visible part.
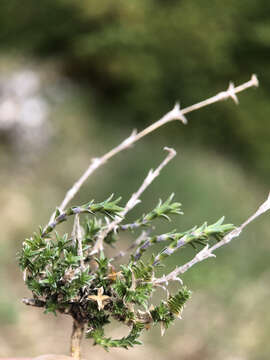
(175, 114)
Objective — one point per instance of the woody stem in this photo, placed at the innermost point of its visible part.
(76, 339)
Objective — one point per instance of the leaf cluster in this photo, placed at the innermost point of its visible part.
(162, 210)
(64, 276)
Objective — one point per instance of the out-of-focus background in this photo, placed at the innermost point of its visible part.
(75, 78)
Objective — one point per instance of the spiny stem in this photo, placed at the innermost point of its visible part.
(207, 251)
(107, 207)
(140, 240)
(77, 238)
(134, 200)
(175, 114)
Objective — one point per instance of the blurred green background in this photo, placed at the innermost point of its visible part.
(75, 78)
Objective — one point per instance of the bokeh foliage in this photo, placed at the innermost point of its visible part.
(140, 56)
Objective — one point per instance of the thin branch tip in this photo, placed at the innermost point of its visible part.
(266, 205)
(255, 80)
(175, 114)
(171, 151)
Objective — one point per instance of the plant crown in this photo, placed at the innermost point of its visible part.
(64, 276)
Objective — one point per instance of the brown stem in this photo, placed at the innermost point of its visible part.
(76, 339)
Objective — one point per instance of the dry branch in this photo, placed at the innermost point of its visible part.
(175, 114)
(207, 251)
(133, 201)
(77, 238)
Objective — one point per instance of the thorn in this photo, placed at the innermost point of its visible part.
(133, 202)
(180, 116)
(233, 234)
(176, 106)
(205, 253)
(178, 279)
(231, 93)
(130, 139)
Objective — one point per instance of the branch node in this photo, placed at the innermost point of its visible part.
(179, 114)
(205, 253)
(130, 140)
(175, 114)
(96, 162)
(231, 93)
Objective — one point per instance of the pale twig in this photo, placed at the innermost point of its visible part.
(207, 251)
(175, 114)
(235, 233)
(143, 236)
(135, 198)
(133, 201)
(77, 238)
